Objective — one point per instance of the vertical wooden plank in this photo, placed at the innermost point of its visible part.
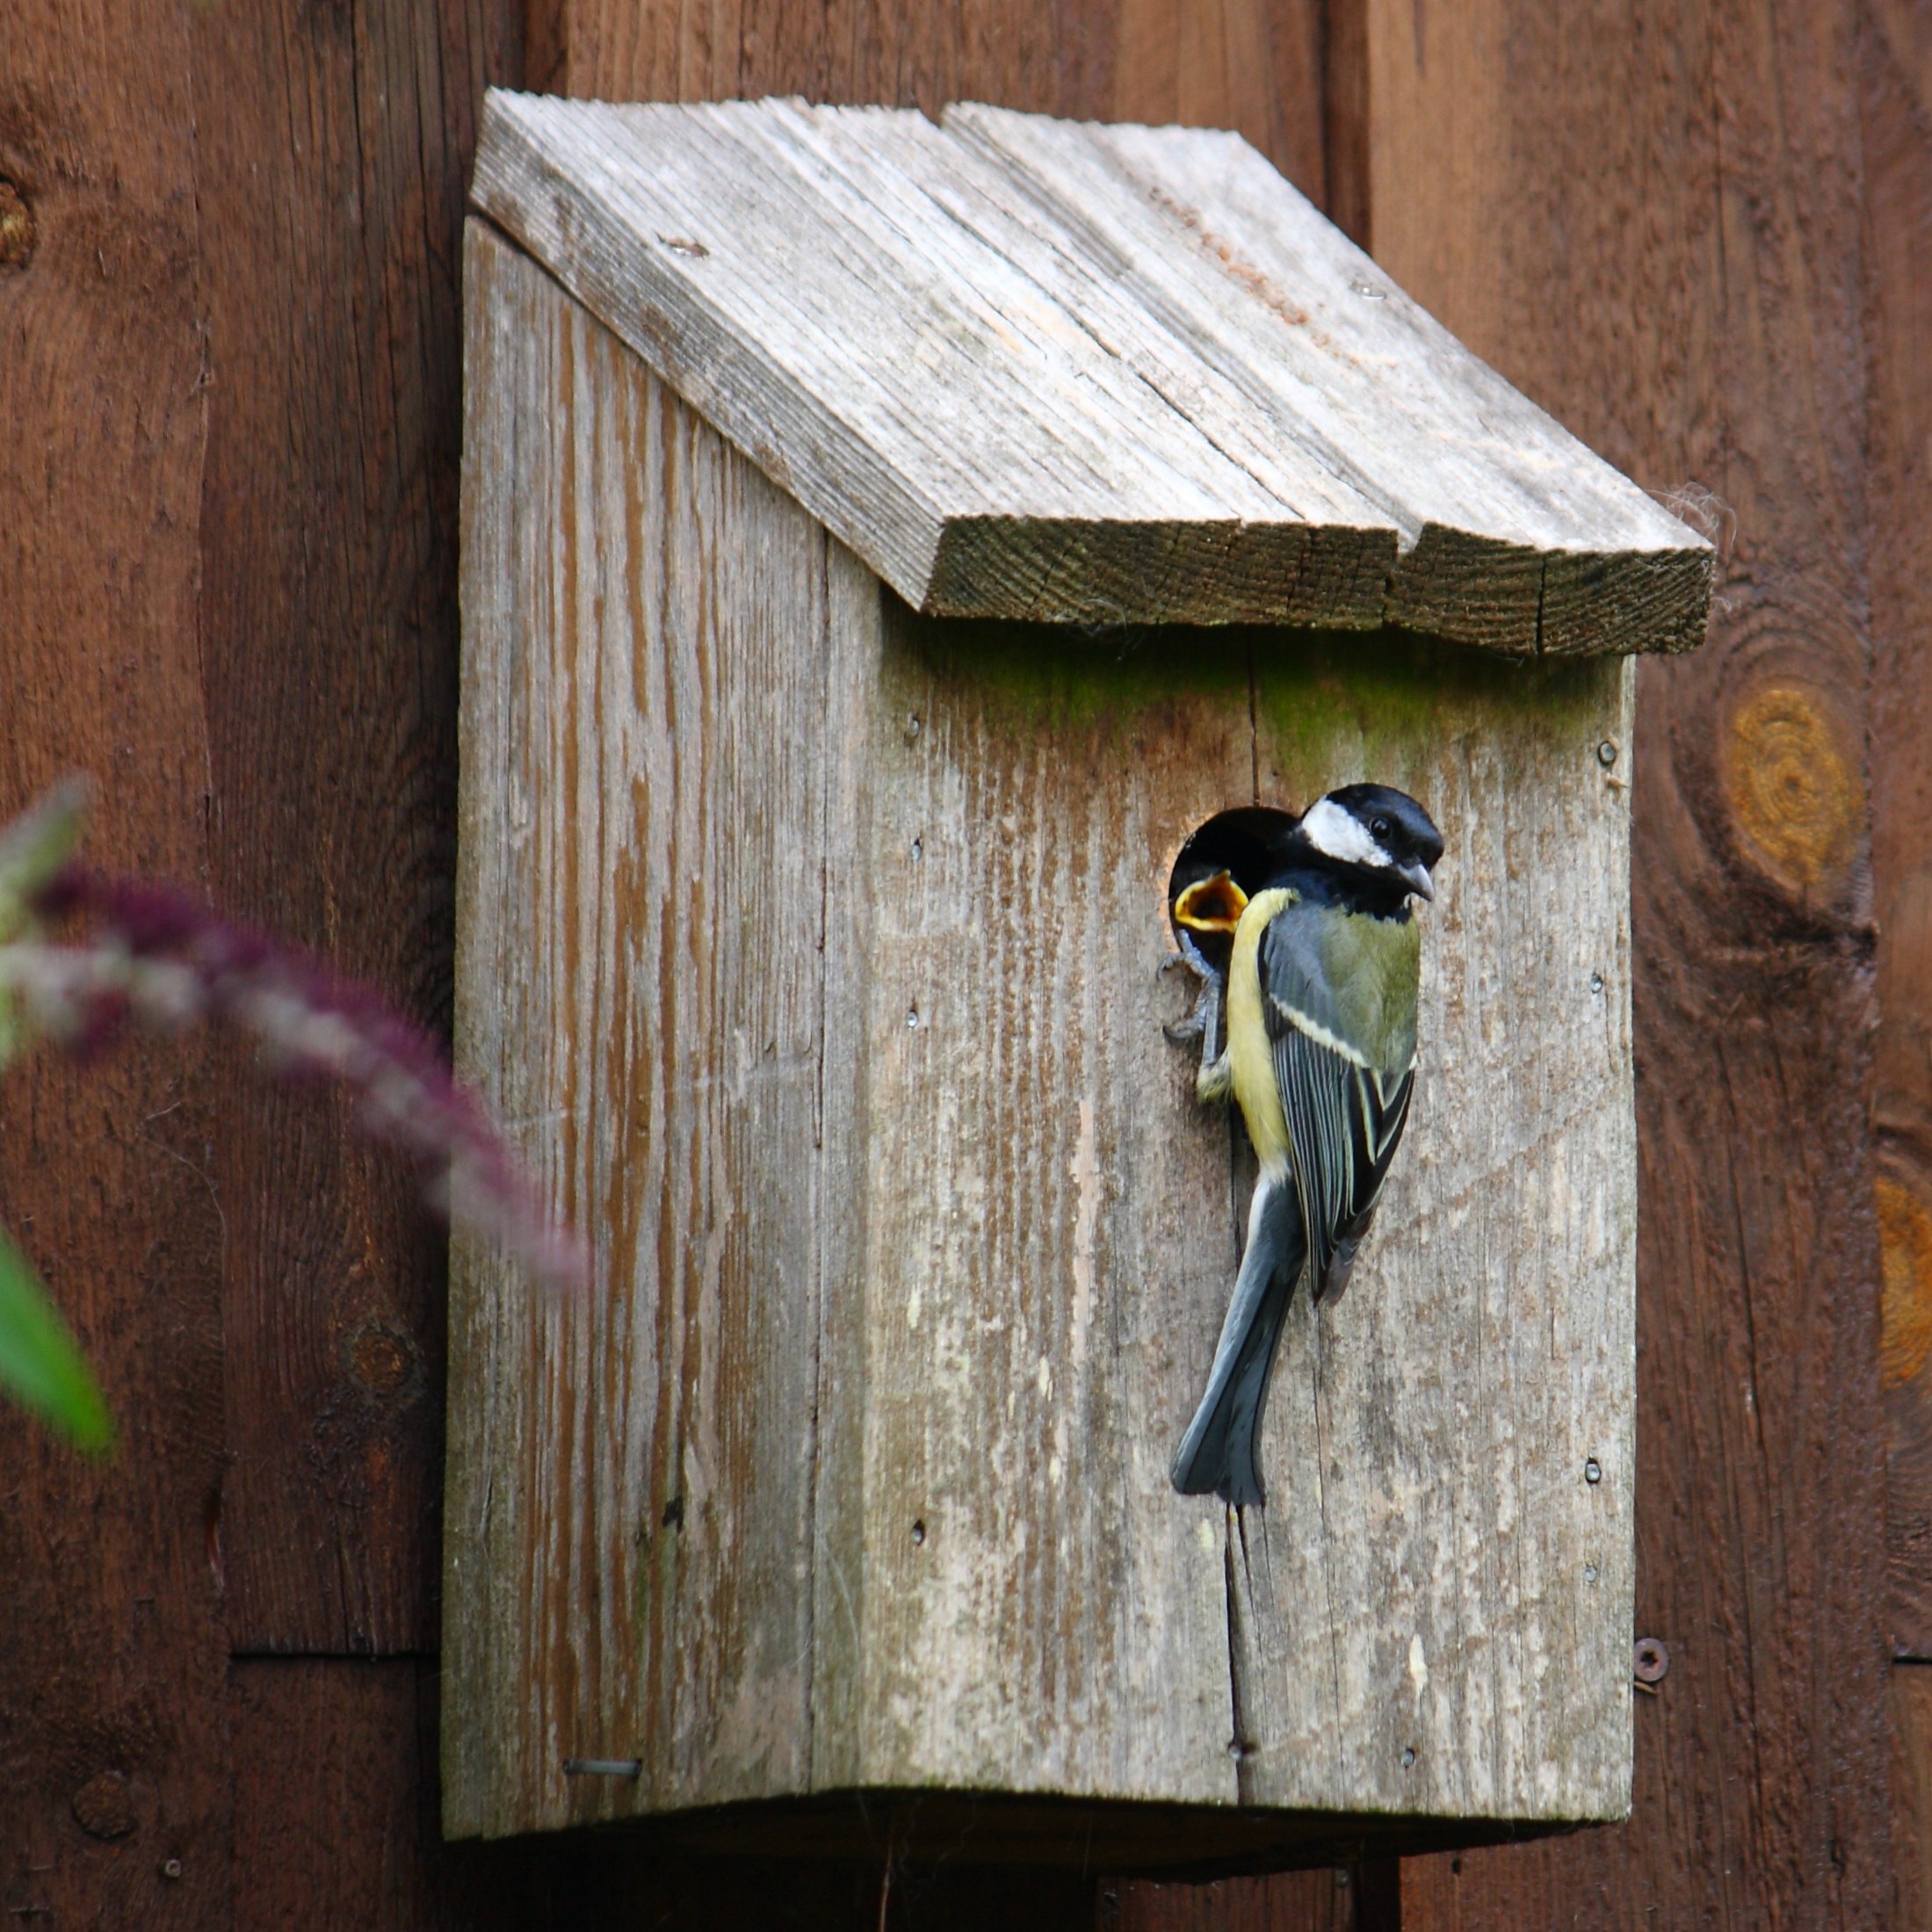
(332, 147)
(1037, 1604)
(320, 1739)
(1658, 237)
(1911, 1795)
(1896, 102)
(113, 1745)
(1253, 65)
(641, 933)
(226, 331)
(1434, 1612)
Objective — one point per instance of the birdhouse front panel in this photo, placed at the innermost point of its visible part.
(816, 947)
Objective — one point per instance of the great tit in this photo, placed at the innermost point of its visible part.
(1321, 989)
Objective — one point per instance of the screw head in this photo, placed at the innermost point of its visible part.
(1606, 753)
(170, 1868)
(1408, 1755)
(1650, 1660)
(1593, 1471)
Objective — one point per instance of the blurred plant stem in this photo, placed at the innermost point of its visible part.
(149, 956)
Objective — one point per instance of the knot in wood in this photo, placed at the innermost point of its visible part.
(1795, 791)
(103, 1807)
(19, 233)
(1905, 1250)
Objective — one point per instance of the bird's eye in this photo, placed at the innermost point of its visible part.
(1379, 827)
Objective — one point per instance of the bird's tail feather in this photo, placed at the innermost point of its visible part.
(1218, 1451)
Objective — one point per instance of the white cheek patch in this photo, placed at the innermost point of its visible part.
(1338, 836)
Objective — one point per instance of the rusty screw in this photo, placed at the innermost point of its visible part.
(1650, 1660)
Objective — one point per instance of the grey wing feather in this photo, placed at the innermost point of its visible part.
(1345, 1121)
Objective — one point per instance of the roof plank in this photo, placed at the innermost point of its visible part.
(1030, 368)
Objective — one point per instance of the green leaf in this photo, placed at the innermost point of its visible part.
(41, 1366)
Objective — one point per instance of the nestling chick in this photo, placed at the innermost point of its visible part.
(1321, 988)
(1223, 864)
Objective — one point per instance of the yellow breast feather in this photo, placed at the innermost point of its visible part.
(1251, 1059)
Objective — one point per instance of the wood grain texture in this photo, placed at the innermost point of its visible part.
(1513, 536)
(1255, 66)
(112, 1648)
(190, 614)
(331, 152)
(1678, 198)
(1446, 1550)
(1038, 370)
(320, 1738)
(815, 942)
(1911, 1795)
(1895, 92)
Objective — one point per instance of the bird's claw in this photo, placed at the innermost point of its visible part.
(1207, 1001)
(1190, 1027)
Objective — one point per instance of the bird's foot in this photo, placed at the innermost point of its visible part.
(1201, 1022)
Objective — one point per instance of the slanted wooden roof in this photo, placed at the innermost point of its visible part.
(1032, 368)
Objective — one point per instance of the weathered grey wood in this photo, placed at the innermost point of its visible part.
(1033, 369)
(811, 946)
(629, 1519)
(1436, 1573)
(1514, 534)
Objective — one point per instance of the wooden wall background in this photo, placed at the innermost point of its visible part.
(1700, 231)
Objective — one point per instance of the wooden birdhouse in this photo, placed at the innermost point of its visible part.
(884, 544)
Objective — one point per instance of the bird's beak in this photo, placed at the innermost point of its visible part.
(1419, 882)
(1210, 905)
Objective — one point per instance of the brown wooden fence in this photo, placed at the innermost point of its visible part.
(1700, 233)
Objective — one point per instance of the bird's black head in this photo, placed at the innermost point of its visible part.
(1376, 833)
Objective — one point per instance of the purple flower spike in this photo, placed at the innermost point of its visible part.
(159, 958)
